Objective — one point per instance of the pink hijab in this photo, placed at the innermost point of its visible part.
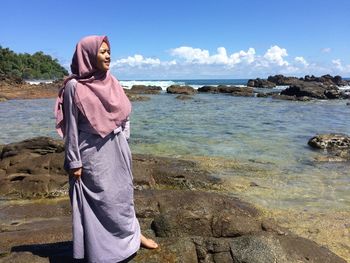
(98, 94)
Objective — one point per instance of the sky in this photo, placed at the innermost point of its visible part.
(189, 39)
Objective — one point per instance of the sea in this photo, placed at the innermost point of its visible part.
(259, 145)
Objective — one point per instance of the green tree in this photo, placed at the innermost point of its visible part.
(36, 66)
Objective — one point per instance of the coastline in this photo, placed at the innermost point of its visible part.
(155, 178)
(252, 178)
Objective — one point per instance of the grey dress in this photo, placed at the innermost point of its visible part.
(105, 228)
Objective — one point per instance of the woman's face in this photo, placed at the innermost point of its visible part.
(103, 57)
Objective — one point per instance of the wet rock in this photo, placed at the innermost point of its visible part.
(177, 89)
(143, 89)
(184, 97)
(281, 80)
(330, 141)
(312, 90)
(233, 90)
(135, 97)
(327, 80)
(34, 168)
(190, 226)
(260, 83)
(336, 147)
(151, 172)
(293, 98)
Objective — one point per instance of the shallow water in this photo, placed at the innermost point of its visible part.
(270, 136)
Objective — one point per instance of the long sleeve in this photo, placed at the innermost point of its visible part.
(71, 112)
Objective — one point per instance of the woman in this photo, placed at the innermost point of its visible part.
(92, 115)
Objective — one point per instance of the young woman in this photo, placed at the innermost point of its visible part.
(92, 114)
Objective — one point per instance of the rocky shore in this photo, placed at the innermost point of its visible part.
(185, 207)
(298, 89)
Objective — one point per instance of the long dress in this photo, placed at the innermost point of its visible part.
(105, 227)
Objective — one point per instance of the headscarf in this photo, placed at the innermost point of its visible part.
(98, 94)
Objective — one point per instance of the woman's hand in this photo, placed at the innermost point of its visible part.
(76, 172)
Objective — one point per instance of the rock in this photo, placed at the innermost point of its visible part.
(143, 89)
(268, 247)
(135, 97)
(281, 80)
(23, 257)
(242, 92)
(151, 171)
(210, 89)
(2, 98)
(177, 89)
(34, 168)
(294, 98)
(336, 146)
(190, 225)
(312, 90)
(327, 80)
(13, 89)
(233, 90)
(184, 97)
(260, 83)
(330, 141)
(206, 215)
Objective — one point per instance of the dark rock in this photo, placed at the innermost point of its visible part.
(143, 89)
(235, 91)
(177, 89)
(151, 171)
(242, 92)
(311, 89)
(294, 98)
(34, 168)
(260, 83)
(268, 247)
(327, 80)
(210, 89)
(135, 97)
(184, 97)
(206, 215)
(190, 226)
(281, 80)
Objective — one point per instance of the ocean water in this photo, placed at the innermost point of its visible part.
(260, 140)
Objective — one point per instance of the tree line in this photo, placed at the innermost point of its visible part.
(26, 66)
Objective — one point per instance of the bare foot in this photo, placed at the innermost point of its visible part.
(148, 243)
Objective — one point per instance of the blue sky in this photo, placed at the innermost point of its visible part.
(189, 39)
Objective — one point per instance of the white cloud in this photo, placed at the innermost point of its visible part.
(275, 55)
(191, 55)
(337, 63)
(189, 62)
(342, 69)
(136, 60)
(202, 56)
(302, 61)
(326, 50)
